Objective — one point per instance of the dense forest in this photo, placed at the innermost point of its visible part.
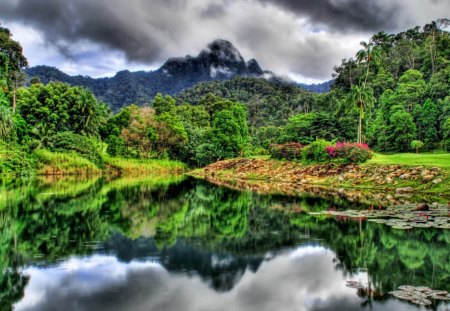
(394, 96)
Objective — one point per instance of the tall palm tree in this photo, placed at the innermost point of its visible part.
(369, 53)
(361, 98)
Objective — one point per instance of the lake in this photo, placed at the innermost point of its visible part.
(177, 243)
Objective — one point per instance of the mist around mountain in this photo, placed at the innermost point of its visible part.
(219, 61)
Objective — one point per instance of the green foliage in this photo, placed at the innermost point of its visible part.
(316, 152)
(417, 145)
(59, 107)
(196, 116)
(86, 147)
(427, 123)
(229, 131)
(116, 145)
(56, 163)
(14, 161)
(305, 128)
(401, 131)
(7, 124)
(163, 104)
(446, 132)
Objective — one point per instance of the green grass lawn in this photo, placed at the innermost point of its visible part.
(427, 159)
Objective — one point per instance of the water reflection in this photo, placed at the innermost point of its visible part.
(171, 243)
(300, 279)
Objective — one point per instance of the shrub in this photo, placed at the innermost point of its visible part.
(14, 161)
(417, 145)
(349, 152)
(316, 151)
(87, 147)
(288, 151)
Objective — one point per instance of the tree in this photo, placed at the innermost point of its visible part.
(229, 131)
(417, 144)
(427, 123)
(401, 131)
(12, 61)
(446, 134)
(369, 53)
(61, 108)
(362, 99)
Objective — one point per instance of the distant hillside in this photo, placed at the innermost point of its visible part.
(268, 102)
(317, 88)
(219, 61)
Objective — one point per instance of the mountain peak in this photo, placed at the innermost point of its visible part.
(220, 60)
(225, 50)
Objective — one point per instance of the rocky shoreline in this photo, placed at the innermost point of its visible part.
(387, 184)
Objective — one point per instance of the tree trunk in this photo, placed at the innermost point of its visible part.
(14, 100)
(360, 127)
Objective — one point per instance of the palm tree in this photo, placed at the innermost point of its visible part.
(361, 98)
(369, 53)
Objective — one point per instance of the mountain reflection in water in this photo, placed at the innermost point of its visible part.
(170, 243)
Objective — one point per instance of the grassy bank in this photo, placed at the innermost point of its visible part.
(54, 163)
(441, 160)
(15, 161)
(141, 167)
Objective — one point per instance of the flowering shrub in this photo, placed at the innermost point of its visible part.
(288, 151)
(349, 152)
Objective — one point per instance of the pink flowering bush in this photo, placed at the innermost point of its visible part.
(349, 152)
(288, 151)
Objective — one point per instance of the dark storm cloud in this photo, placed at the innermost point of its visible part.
(115, 24)
(343, 15)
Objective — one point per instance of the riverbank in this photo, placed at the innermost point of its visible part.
(15, 162)
(389, 181)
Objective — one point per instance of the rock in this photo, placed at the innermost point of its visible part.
(341, 178)
(404, 190)
(422, 207)
(350, 176)
(427, 178)
(389, 180)
(405, 176)
(437, 181)
(304, 181)
(425, 173)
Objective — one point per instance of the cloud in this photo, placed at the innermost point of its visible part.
(299, 38)
(339, 15)
(301, 279)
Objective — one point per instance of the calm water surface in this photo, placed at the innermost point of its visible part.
(174, 243)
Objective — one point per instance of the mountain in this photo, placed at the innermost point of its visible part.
(219, 61)
(317, 88)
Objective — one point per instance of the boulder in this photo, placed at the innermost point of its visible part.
(437, 181)
(427, 178)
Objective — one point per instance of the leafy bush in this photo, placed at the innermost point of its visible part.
(87, 147)
(116, 145)
(349, 152)
(316, 152)
(288, 151)
(446, 130)
(14, 161)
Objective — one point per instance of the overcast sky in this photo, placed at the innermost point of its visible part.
(303, 39)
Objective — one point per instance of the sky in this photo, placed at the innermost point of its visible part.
(302, 39)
